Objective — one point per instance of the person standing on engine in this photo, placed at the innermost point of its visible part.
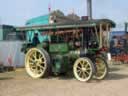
(35, 40)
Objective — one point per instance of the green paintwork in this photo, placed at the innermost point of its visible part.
(61, 64)
(59, 48)
(92, 50)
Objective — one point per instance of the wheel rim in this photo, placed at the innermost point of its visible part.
(83, 69)
(35, 63)
(101, 68)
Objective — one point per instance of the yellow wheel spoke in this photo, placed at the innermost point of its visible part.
(82, 63)
(42, 67)
(84, 75)
(86, 66)
(35, 55)
(31, 60)
(79, 67)
(87, 72)
(88, 69)
(40, 56)
(31, 64)
(41, 59)
(79, 73)
(100, 67)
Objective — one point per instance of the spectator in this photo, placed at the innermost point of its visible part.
(114, 45)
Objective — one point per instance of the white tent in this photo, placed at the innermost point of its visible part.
(10, 54)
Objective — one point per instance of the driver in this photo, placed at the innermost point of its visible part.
(35, 40)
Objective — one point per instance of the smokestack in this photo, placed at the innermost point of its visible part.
(89, 9)
(126, 27)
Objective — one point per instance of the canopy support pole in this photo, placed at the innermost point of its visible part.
(101, 30)
(96, 34)
(108, 35)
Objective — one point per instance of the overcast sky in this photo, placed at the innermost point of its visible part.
(16, 12)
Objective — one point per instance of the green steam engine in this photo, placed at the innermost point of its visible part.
(76, 46)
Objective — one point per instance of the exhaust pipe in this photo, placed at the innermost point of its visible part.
(89, 9)
(126, 27)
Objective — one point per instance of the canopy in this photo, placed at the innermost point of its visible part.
(66, 25)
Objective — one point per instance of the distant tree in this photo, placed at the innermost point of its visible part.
(57, 13)
(73, 16)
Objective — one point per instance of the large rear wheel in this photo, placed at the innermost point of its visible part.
(37, 62)
(83, 69)
(101, 68)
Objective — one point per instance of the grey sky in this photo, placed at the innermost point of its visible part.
(16, 12)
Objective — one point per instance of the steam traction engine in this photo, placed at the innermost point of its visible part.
(76, 46)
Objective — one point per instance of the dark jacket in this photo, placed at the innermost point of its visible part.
(35, 41)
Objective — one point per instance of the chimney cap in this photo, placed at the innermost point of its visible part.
(84, 18)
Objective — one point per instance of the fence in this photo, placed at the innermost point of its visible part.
(10, 54)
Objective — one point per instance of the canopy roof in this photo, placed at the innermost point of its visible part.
(74, 24)
(40, 20)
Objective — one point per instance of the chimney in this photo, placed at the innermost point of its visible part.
(89, 9)
(126, 27)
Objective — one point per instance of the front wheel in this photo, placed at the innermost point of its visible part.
(101, 68)
(37, 62)
(83, 69)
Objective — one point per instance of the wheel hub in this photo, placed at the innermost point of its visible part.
(83, 69)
